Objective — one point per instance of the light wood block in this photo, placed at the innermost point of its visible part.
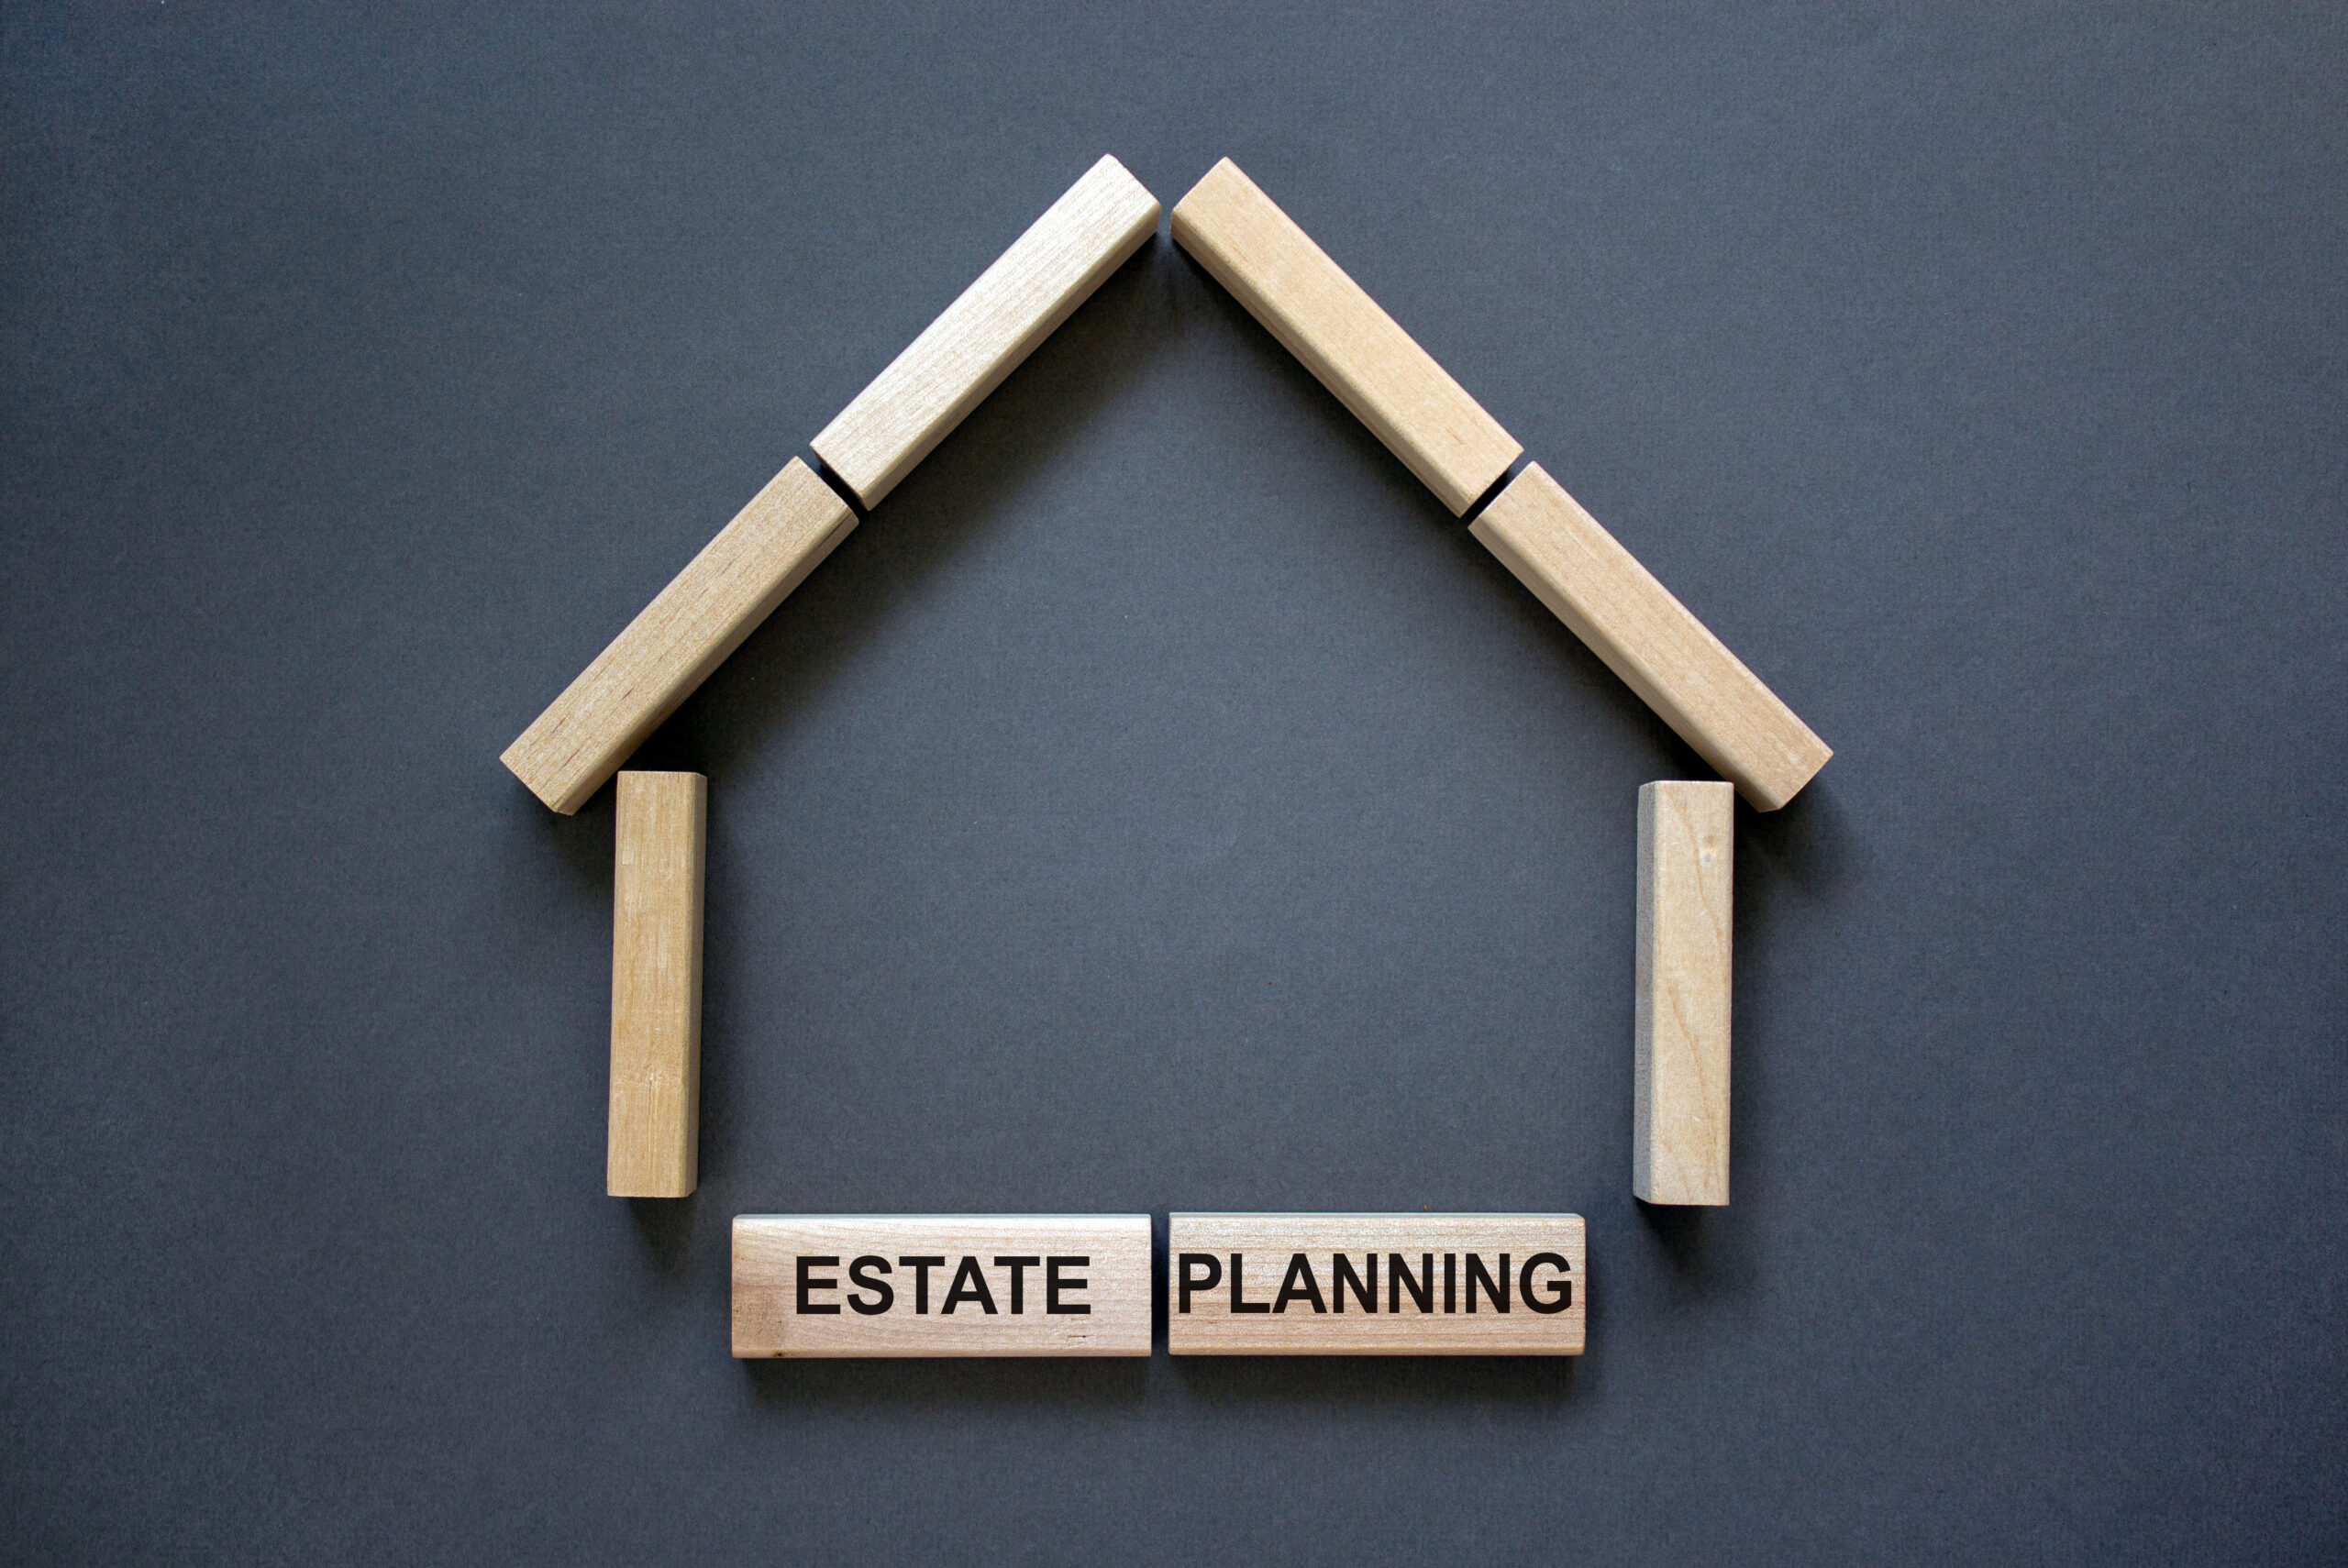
(982, 337)
(1687, 902)
(1306, 301)
(684, 633)
(1648, 638)
(923, 1284)
(1375, 1284)
(654, 1140)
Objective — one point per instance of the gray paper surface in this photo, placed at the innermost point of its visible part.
(1160, 802)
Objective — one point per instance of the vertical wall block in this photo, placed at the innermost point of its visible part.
(654, 1149)
(1687, 887)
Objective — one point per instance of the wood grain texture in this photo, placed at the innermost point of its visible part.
(982, 337)
(684, 633)
(1329, 1285)
(1306, 301)
(1687, 898)
(1648, 638)
(653, 1149)
(941, 1284)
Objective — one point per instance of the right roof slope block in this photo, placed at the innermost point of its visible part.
(1323, 318)
(1647, 638)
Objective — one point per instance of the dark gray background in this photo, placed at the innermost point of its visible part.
(1161, 803)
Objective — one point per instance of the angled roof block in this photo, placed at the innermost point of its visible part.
(1287, 283)
(1306, 301)
(1647, 638)
(981, 337)
(678, 639)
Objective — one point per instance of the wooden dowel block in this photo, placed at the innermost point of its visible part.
(684, 633)
(1648, 638)
(1306, 301)
(941, 1284)
(982, 337)
(1686, 896)
(655, 1139)
(1375, 1284)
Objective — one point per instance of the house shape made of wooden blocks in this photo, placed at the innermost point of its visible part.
(1424, 417)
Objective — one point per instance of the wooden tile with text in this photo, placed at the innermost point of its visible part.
(1375, 1284)
(941, 1284)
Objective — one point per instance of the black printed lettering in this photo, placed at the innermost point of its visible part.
(921, 1267)
(1496, 1289)
(1398, 1277)
(1340, 1274)
(1191, 1282)
(860, 1273)
(969, 1284)
(1560, 1298)
(808, 1282)
(1054, 1284)
(1237, 1304)
(1019, 1267)
(1299, 1269)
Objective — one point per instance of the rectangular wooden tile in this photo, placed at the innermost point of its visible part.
(1686, 891)
(1375, 1284)
(1647, 638)
(959, 1285)
(982, 337)
(654, 1138)
(684, 633)
(1306, 301)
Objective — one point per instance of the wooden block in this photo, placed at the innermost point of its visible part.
(1375, 1284)
(1648, 638)
(683, 634)
(917, 1284)
(654, 1143)
(982, 337)
(1687, 888)
(1322, 316)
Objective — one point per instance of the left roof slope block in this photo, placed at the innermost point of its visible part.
(662, 851)
(1325, 318)
(982, 337)
(683, 634)
(1650, 639)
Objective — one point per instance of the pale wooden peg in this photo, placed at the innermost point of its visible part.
(1306, 301)
(684, 633)
(1375, 1284)
(655, 1138)
(1647, 638)
(983, 336)
(1680, 1098)
(941, 1284)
